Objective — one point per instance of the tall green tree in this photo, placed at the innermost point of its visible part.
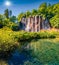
(42, 10)
(56, 8)
(20, 16)
(7, 13)
(49, 13)
(55, 21)
(28, 13)
(13, 19)
(34, 12)
(10, 13)
(1, 20)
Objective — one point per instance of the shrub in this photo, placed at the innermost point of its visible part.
(25, 36)
(7, 42)
(46, 34)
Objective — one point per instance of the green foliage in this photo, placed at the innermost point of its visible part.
(55, 21)
(42, 10)
(7, 13)
(49, 13)
(25, 36)
(56, 8)
(34, 12)
(28, 13)
(20, 16)
(10, 24)
(7, 41)
(13, 19)
(14, 27)
(7, 20)
(1, 20)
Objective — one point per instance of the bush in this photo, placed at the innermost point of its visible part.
(47, 34)
(25, 36)
(7, 42)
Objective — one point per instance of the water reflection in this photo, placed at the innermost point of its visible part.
(18, 58)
